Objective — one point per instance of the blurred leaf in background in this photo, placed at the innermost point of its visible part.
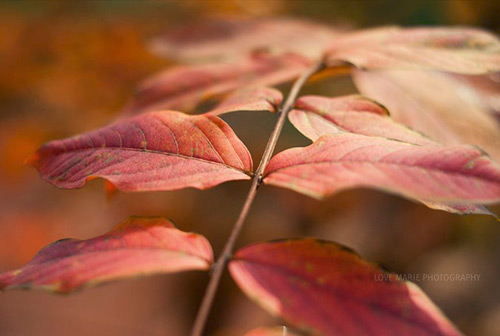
(69, 67)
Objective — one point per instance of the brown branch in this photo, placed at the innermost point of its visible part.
(227, 251)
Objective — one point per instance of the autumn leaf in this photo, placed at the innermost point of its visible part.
(450, 117)
(137, 246)
(231, 38)
(432, 173)
(460, 50)
(250, 99)
(315, 116)
(185, 87)
(164, 150)
(327, 289)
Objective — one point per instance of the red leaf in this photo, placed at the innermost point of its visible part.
(226, 38)
(448, 117)
(432, 173)
(250, 99)
(137, 246)
(156, 151)
(460, 50)
(315, 116)
(271, 331)
(184, 87)
(328, 289)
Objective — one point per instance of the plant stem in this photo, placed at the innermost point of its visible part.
(227, 250)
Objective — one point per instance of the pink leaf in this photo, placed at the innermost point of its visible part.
(460, 50)
(156, 151)
(185, 87)
(229, 38)
(315, 116)
(137, 246)
(454, 174)
(250, 99)
(433, 103)
(327, 289)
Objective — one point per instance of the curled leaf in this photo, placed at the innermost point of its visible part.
(327, 289)
(155, 151)
(137, 246)
(460, 50)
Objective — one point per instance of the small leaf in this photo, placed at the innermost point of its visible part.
(185, 87)
(230, 38)
(315, 116)
(454, 174)
(450, 117)
(155, 151)
(327, 289)
(460, 50)
(250, 99)
(137, 246)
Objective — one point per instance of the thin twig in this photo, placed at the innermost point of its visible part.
(227, 251)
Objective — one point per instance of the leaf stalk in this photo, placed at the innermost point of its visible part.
(225, 255)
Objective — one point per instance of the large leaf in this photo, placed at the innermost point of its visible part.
(460, 50)
(185, 87)
(433, 103)
(316, 116)
(433, 173)
(155, 151)
(226, 38)
(137, 246)
(327, 289)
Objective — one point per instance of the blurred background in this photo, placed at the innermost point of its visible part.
(68, 67)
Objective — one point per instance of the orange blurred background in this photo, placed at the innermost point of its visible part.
(68, 67)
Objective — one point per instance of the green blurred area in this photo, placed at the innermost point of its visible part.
(68, 67)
